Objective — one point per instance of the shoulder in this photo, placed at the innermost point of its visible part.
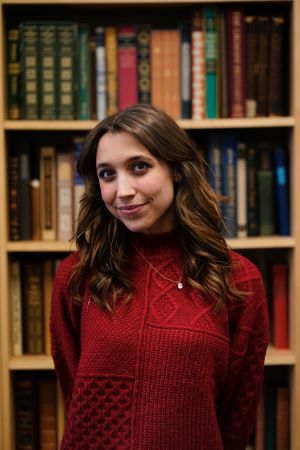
(242, 269)
(66, 266)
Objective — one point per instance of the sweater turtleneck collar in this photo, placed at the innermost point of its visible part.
(157, 245)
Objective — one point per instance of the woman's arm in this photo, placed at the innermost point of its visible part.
(249, 336)
(65, 330)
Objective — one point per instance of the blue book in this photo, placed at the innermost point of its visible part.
(214, 161)
(281, 191)
(210, 20)
(229, 205)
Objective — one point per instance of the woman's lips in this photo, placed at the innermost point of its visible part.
(130, 210)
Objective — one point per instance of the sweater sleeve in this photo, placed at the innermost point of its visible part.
(65, 330)
(249, 335)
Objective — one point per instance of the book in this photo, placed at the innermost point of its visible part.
(35, 198)
(211, 52)
(127, 66)
(241, 184)
(143, 36)
(270, 416)
(223, 63)
(198, 66)
(14, 197)
(262, 64)
(47, 292)
(100, 73)
(171, 72)
(185, 71)
(215, 163)
(252, 191)
(13, 74)
(83, 86)
(47, 78)
(156, 55)
(281, 185)
(282, 418)
(280, 305)
(265, 191)
(48, 193)
(111, 64)
(93, 77)
(29, 50)
(229, 186)
(47, 414)
(64, 186)
(67, 38)
(32, 293)
(24, 191)
(78, 184)
(16, 308)
(251, 65)
(236, 63)
(25, 402)
(275, 72)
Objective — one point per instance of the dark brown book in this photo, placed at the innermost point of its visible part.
(251, 65)
(25, 405)
(93, 105)
(13, 74)
(236, 63)
(262, 65)
(275, 77)
(282, 418)
(33, 307)
(14, 197)
(143, 67)
(47, 414)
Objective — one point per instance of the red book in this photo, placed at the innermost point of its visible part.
(280, 306)
(236, 63)
(127, 66)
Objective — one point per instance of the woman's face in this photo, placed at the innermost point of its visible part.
(136, 187)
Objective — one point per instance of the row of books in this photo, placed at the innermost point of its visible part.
(222, 63)
(253, 178)
(38, 411)
(44, 191)
(30, 292)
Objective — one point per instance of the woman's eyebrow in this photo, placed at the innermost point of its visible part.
(129, 160)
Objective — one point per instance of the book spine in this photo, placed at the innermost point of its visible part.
(47, 291)
(280, 306)
(211, 94)
(171, 74)
(16, 308)
(252, 205)
(241, 174)
(143, 68)
(215, 162)
(275, 77)
(223, 64)
(185, 67)
(25, 402)
(127, 66)
(33, 307)
(111, 55)
(229, 185)
(265, 185)
(282, 418)
(236, 63)
(262, 65)
(198, 66)
(281, 182)
(83, 93)
(78, 181)
(47, 71)
(13, 74)
(64, 177)
(93, 77)
(25, 200)
(156, 68)
(66, 37)
(35, 196)
(29, 33)
(100, 73)
(47, 414)
(48, 193)
(251, 65)
(14, 197)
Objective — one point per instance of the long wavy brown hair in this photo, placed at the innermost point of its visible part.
(102, 240)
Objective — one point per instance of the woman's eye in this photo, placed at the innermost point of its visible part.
(106, 174)
(140, 167)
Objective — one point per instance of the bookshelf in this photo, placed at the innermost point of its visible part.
(290, 124)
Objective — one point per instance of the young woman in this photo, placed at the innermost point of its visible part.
(159, 330)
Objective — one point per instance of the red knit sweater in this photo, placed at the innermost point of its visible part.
(165, 372)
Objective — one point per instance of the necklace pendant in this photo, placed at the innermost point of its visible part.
(179, 285)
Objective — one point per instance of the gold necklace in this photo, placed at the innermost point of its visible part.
(179, 282)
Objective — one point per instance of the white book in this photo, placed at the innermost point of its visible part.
(100, 73)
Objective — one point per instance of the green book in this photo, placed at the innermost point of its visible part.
(83, 83)
(47, 72)
(210, 20)
(13, 74)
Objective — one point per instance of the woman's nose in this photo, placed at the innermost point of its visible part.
(125, 187)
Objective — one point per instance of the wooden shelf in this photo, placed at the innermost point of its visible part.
(85, 125)
(40, 246)
(276, 357)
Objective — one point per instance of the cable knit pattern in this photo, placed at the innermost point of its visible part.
(166, 371)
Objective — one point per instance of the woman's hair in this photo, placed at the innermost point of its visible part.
(102, 240)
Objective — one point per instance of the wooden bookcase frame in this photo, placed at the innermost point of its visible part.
(291, 357)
